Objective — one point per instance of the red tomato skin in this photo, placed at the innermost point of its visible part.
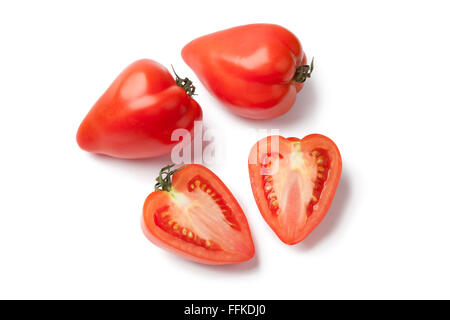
(313, 140)
(249, 68)
(137, 114)
(162, 240)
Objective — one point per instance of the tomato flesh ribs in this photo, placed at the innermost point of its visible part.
(295, 186)
(199, 218)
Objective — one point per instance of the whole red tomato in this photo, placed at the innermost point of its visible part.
(256, 70)
(137, 114)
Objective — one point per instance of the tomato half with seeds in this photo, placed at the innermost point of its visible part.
(192, 213)
(294, 182)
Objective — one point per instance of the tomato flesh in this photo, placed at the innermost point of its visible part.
(169, 224)
(294, 187)
(199, 218)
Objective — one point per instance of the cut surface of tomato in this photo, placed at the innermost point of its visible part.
(195, 215)
(294, 182)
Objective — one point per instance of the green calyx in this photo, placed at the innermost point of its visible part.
(303, 72)
(164, 180)
(184, 83)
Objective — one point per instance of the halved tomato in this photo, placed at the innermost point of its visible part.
(196, 216)
(294, 182)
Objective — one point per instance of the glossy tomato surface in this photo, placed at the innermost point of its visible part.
(256, 70)
(137, 114)
(294, 182)
(198, 218)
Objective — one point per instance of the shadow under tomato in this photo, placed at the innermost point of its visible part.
(235, 268)
(143, 170)
(146, 169)
(305, 103)
(303, 108)
(331, 221)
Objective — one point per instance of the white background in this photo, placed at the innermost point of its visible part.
(69, 220)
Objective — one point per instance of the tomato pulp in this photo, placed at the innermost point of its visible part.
(294, 182)
(137, 114)
(255, 70)
(197, 217)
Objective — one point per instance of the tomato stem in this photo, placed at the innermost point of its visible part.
(164, 180)
(184, 83)
(303, 72)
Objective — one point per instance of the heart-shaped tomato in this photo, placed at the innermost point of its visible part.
(196, 216)
(136, 116)
(294, 182)
(256, 70)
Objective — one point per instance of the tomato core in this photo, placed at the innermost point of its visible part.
(199, 183)
(166, 222)
(193, 215)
